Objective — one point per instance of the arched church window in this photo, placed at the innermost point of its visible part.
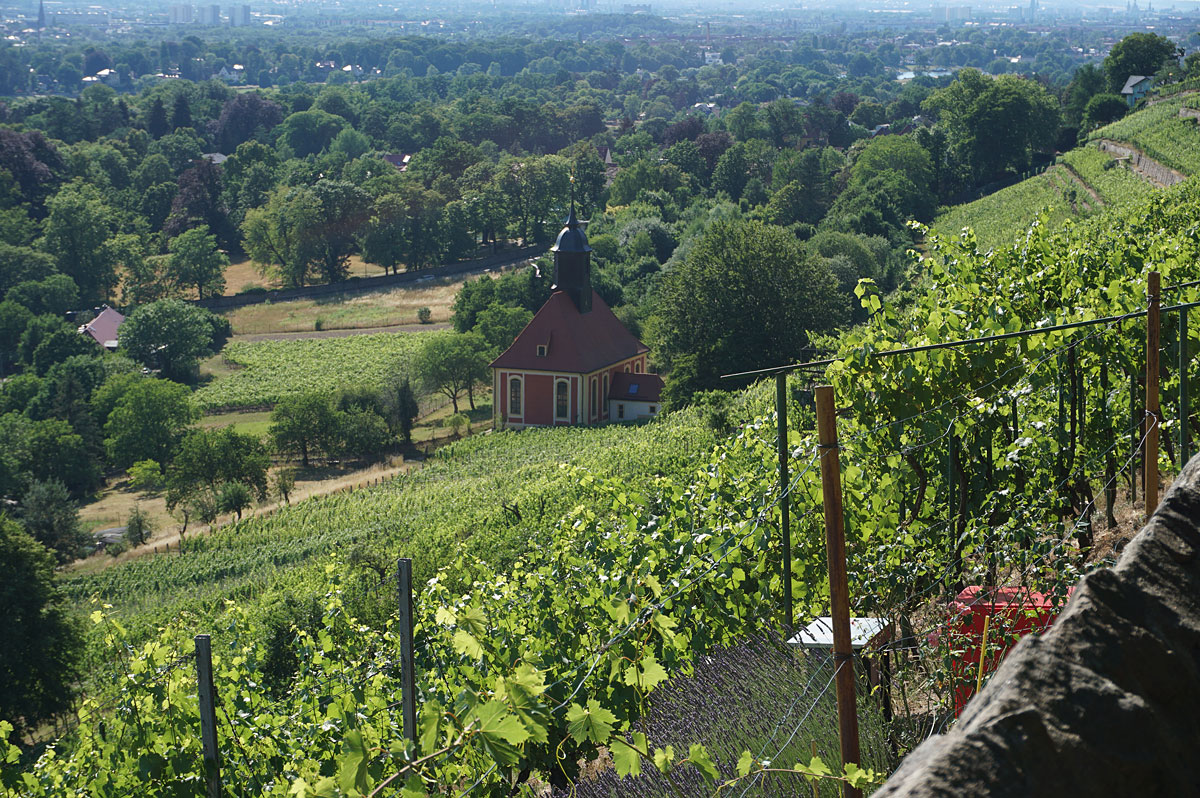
(514, 397)
(561, 400)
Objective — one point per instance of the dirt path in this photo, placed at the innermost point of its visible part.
(1099, 202)
(296, 336)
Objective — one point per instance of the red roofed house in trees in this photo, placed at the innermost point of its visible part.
(104, 328)
(574, 363)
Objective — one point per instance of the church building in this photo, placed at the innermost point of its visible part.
(574, 363)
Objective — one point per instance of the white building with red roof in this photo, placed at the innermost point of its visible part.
(575, 363)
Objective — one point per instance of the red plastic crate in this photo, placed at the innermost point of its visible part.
(1014, 613)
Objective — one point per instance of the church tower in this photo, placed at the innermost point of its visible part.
(573, 264)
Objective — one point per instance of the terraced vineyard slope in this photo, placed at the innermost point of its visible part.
(1161, 133)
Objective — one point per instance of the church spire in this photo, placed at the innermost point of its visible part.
(573, 261)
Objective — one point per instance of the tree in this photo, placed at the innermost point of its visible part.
(77, 229)
(181, 112)
(746, 296)
(451, 364)
(400, 408)
(59, 345)
(285, 484)
(279, 234)
(304, 424)
(146, 476)
(22, 264)
(210, 458)
(50, 515)
(993, 125)
(1088, 81)
(1137, 54)
(310, 132)
(39, 661)
(148, 422)
(57, 452)
(234, 497)
(1102, 109)
(343, 209)
(156, 121)
(198, 203)
(246, 117)
(169, 335)
(499, 325)
(55, 294)
(138, 527)
(196, 261)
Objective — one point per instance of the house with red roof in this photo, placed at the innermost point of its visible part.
(103, 328)
(575, 363)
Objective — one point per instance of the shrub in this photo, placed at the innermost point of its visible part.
(138, 528)
(459, 422)
(146, 476)
(425, 316)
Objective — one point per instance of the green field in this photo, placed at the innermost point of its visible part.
(1159, 132)
(1113, 183)
(999, 218)
(263, 372)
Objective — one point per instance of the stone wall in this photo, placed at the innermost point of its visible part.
(1107, 701)
(1142, 163)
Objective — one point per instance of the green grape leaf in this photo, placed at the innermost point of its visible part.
(664, 758)
(594, 723)
(352, 773)
(627, 758)
(698, 756)
(465, 643)
(745, 763)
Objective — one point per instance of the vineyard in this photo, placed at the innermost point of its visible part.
(565, 576)
(1114, 184)
(267, 371)
(1159, 132)
(994, 218)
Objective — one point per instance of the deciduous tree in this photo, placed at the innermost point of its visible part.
(42, 645)
(746, 296)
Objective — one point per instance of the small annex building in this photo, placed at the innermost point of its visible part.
(575, 363)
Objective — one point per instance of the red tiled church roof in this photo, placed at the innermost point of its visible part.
(575, 342)
(636, 387)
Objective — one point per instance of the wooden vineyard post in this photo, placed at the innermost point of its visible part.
(784, 498)
(839, 592)
(1184, 410)
(1153, 414)
(208, 715)
(407, 682)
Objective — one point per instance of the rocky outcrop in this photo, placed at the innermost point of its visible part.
(1141, 163)
(1107, 701)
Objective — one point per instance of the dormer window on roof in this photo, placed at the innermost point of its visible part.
(633, 386)
(541, 350)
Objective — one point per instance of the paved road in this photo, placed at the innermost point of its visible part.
(296, 336)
